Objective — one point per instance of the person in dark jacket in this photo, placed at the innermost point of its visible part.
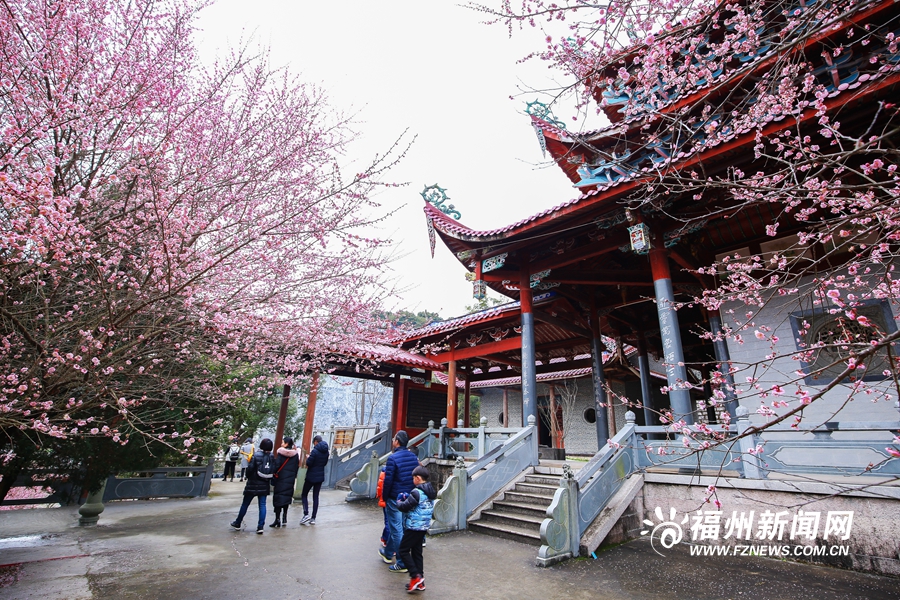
(398, 479)
(287, 465)
(417, 508)
(315, 475)
(256, 486)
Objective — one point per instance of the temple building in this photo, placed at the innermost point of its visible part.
(606, 283)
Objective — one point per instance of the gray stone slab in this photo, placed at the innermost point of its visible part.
(185, 549)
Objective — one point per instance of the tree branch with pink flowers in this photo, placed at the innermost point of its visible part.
(162, 219)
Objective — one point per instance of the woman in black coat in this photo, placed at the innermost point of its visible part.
(283, 493)
(315, 475)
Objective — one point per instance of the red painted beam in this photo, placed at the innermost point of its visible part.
(483, 350)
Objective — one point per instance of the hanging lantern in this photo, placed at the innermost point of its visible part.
(640, 237)
(479, 290)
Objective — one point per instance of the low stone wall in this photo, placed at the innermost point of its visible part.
(439, 471)
(872, 544)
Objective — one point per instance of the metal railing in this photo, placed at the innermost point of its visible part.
(470, 486)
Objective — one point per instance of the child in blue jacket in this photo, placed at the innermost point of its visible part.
(417, 507)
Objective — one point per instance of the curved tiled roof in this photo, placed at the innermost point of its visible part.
(460, 322)
(393, 355)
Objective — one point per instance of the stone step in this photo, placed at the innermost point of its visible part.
(518, 534)
(536, 489)
(542, 479)
(534, 510)
(525, 498)
(511, 520)
(555, 467)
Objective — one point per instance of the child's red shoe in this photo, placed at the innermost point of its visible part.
(415, 584)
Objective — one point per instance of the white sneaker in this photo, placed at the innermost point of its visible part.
(305, 520)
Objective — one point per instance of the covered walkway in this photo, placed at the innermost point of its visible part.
(184, 549)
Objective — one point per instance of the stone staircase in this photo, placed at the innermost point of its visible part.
(518, 512)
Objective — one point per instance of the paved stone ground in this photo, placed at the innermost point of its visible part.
(185, 549)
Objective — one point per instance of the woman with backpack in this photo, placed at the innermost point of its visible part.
(287, 465)
(232, 456)
(260, 470)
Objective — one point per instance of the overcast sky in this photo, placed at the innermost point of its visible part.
(432, 68)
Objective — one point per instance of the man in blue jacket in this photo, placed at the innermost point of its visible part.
(398, 479)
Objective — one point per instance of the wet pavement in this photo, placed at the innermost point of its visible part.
(185, 549)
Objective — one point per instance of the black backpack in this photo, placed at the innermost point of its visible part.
(234, 456)
(266, 467)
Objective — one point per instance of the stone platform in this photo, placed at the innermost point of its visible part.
(185, 549)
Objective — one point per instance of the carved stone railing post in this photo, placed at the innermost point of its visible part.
(450, 506)
(559, 531)
(365, 484)
(443, 437)
(749, 461)
(532, 422)
(482, 437)
(634, 442)
(329, 469)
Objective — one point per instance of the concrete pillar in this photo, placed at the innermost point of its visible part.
(529, 372)
(720, 348)
(505, 422)
(601, 399)
(650, 418)
(554, 426)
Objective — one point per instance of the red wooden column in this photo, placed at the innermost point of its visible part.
(310, 413)
(676, 373)
(451, 394)
(395, 404)
(282, 415)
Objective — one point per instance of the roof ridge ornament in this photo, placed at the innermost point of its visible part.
(539, 110)
(542, 111)
(436, 196)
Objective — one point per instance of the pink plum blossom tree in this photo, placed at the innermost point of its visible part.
(163, 221)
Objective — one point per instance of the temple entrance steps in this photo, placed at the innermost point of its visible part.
(517, 512)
